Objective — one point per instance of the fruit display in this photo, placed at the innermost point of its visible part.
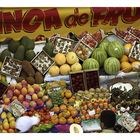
(42, 62)
(93, 94)
(43, 114)
(65, 114)
(65, 64)
(7, 123)
(11, 67)
(90, 63)
(135, 52)
(63, 45)
(84, 80)
(31, 96)
(83, 51)
(100, 56)
(59, 79)
(92, 110)
(42, 128)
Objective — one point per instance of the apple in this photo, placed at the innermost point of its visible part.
(28, 97)
(12, 87)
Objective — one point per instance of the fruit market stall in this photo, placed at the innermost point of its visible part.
(68, 80)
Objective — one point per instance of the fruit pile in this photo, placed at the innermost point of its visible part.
(93, 94)
(65, 64)
(92, 110)
(30, 96)
(42, 113)
(7, 123)
(65, 115)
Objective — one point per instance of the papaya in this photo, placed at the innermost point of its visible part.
(29, 55)
(13, 45)
(19, 54)
(27, 43)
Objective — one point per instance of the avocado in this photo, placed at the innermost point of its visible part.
(27, 43)
(13, 45)
(29, 55)
(3, 54)
(19, 55)
(48, 48)
(30, 80)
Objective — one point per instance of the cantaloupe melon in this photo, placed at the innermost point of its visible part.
(60, 59)
(71, 58)
(54, 71)
(126, 67)
(65, 69)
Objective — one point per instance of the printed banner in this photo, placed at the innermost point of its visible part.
(31, 22)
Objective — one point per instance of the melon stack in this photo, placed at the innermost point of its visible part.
(64, 64)
(128, 64)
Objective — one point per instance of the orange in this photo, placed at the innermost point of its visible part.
(63, 107)
(62, 120)
(70, 120)
(56, 109)
(74, 113)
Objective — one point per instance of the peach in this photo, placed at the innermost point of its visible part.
(24, 91)
(30, 90)
(21, 97)
(45, 98)
(26, 104)
(10, 93)
(24, 83)
(33, 104)
(34, 97)
(40, 102)
(16, 92)
(36, 88)
(12, 87)
(18, 86)
(6, 101)
(14, 97)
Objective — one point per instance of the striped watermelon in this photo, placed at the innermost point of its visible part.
(100, 55)
(115, 49)
(104, 44)
(112, 65)
(90, 63)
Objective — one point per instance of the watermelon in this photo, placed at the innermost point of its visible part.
(104, 44)
(90, 63)
(100, 55)
(115, 49)
(112, 65)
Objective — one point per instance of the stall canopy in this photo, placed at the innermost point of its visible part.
(17, 22)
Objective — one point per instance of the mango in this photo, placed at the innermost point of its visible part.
(6, 125)
(3, 115)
